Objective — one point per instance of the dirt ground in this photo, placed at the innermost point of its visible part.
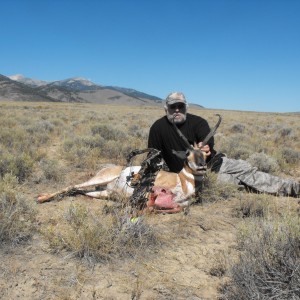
(187, 266)
(190, 263)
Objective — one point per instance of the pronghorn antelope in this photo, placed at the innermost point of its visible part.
(171, 191)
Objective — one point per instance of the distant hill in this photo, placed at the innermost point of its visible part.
(77, 89)
(29, 81)
(133, 93)
(14, 90)
(75, 84)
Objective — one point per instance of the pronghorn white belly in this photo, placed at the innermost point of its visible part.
(121, 184)
(118, 184)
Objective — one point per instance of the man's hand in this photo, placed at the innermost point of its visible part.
(205, 149)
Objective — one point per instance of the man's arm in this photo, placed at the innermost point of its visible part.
(203, 130)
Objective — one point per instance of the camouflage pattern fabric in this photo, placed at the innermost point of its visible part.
(241, 172)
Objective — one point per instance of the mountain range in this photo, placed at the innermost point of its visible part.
(77, 89)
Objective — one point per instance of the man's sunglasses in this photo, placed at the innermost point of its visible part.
(177, 106)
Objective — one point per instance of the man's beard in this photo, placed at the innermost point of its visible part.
(176, 120)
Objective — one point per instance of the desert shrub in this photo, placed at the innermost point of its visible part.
(16, 139)
(39, 132)
(93, 141)
(254, 205)
(82, 150)
(41, 126)
(236, 146)
(115, 151)
(17, 217)
(92, 116)
(48, 170)
(261, 129)
(284, 133)
(237, 128)
(269, 262)
(58, 123)
(79, 155)
(220, 266)
(212, 190)
(290, 156)
(137, 131)
(20, 165)
(263, 162)
(108, 132)
(69, 143)
(98, 237)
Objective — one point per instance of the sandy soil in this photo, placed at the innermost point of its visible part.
(188, 265)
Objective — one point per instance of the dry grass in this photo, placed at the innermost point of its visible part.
(17, 216)
(212, 190)
(87, 135)
(99, 237)
(269, 262)
(46, 146)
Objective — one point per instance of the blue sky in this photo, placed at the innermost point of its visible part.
(223, 54)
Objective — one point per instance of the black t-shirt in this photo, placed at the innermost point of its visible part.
(163, 137)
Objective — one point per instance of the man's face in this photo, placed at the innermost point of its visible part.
(176, 112)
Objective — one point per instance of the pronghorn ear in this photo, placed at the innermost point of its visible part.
(180, 154)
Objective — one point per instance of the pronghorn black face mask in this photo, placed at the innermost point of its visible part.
(195, 159)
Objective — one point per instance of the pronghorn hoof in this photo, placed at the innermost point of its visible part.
(43, 198)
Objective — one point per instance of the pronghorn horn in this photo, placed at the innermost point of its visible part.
(212, 132)
(185, 140)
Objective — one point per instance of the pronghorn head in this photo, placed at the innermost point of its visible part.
(194, 157)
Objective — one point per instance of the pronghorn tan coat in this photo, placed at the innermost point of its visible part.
(114, 179)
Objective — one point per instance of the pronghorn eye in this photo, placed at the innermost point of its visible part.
(187, 152)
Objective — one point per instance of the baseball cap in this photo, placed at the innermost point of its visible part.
(175, 97)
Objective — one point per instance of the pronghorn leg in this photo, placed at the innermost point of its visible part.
(98, 194)
(102, 178)
(48, 197)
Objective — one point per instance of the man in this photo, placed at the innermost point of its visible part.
(163, 137)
